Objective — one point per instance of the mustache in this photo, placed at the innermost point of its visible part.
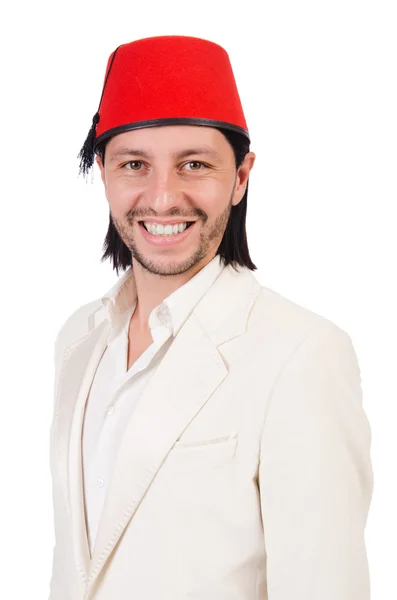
(135, 215)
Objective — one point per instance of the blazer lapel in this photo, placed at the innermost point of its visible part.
(185, 379)
(77, 371)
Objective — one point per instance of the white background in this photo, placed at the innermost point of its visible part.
(317, 81)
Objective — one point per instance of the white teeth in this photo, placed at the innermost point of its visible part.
(167, 230)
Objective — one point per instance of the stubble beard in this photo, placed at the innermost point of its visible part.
(210, 236)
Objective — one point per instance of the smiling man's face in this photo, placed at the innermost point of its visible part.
(163, 178)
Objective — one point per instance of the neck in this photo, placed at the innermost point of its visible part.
(152, 289)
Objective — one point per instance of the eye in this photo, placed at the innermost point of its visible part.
(196, 162)
(133, 162)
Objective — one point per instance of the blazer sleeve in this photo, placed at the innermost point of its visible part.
(315, 474)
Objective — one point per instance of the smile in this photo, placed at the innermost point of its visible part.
(166, 229)
(168, 235)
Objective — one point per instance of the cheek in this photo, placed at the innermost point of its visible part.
(210, 195)
(121, 197)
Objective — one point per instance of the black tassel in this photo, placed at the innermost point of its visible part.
(86, 153)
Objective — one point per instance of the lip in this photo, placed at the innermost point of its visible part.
(165, 240)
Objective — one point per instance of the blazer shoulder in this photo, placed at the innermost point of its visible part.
(74, 327)
(289, 321)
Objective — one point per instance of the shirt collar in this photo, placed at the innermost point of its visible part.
(119, 302)
(181, 303)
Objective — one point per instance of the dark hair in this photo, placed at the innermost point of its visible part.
(233, 247)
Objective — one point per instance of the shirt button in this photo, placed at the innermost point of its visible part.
(110, 410)
(100, 483)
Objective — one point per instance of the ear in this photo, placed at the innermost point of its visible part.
(99, 162)
(242, 177)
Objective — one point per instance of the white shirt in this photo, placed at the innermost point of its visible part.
(115, 391)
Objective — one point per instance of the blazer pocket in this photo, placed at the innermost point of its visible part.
(203, 453)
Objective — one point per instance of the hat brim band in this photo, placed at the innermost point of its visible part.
(173, 121)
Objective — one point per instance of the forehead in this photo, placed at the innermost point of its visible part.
(171, 139)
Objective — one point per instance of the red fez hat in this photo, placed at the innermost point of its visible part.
(165, 80)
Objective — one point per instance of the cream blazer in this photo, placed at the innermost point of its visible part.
(244, 472)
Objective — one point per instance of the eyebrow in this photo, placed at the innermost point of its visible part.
(202, 150)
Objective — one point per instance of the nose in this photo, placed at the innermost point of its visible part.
(163, 191)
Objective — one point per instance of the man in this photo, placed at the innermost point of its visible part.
(208, 439)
